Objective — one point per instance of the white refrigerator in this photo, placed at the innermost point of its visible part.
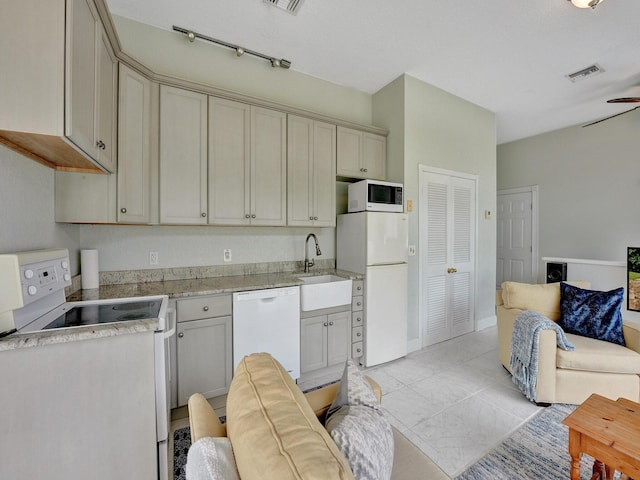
(376, 244)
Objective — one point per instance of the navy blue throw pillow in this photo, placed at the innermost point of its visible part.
(591, 313)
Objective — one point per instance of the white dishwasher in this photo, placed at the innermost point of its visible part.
(268, 321)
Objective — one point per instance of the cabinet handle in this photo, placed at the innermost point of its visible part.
(315, 218)
(358, 288)
(310, 218)
(358, 350)
(253, 216)
(203, 214)
(359, 303)
(123, 210)
(181, 335)
(325, 324)
(452, 270)
(247, 216)
(358, 334)
(365, 170)
(330, 323)
(100, 144)
(205, 308)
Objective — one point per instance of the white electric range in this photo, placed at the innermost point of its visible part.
(32, 299)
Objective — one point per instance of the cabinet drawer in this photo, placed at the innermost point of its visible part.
(357, 287)
(357, 349)
(357, 303)
(357, 319)
(357, 334)
(203, 307)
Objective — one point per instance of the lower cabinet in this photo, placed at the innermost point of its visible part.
(204, 343)
(325, 340)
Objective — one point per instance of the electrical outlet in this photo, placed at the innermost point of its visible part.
(412, 250)
(226, 255)
(154, 258)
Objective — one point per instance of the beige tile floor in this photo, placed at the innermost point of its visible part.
(454, 400)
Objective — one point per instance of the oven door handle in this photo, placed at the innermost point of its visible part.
(171, 315)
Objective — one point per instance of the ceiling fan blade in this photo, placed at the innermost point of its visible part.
(625, 100)
(612, 116)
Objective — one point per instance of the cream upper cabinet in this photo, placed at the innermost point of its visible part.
(247, 164)
(58, 78)
(311, 172)
(229, 161)
(137, 163)
(361, 154)
(183, 156)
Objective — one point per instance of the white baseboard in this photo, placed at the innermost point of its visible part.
(413, 345)
(486, 322)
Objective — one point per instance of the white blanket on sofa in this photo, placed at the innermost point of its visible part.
(525, 341)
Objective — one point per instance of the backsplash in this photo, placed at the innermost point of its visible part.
(184, 273)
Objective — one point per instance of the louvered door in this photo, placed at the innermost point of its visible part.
(447, 233)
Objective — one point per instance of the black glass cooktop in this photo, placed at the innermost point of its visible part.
(107, 313)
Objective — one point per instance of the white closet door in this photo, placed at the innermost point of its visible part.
(515, 239)
(447, 262)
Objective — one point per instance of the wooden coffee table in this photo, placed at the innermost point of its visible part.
(608, 431)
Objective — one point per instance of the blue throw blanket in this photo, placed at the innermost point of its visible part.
(524, 349)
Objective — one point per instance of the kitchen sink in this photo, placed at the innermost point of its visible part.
(324, 291)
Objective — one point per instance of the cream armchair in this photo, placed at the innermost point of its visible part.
(594, 366)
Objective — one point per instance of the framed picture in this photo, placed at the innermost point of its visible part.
(633, 282)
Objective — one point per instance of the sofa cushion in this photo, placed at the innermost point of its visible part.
(591, 313)
(359, 427)
(543, 298)
(211, 458)
(273, 430)
(598, 356)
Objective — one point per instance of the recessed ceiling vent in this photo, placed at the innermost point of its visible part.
(590, 71)
(291, 6)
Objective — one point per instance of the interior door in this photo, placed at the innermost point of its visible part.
(515, 239)
(447, 261)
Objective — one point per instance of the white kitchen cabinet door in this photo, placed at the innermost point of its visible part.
(134, 147)
(229, 162)
(106, 103)
(311, 148)
(81, 90)
(313, 343)
(204, 357)
(268, 167)
(361, 154)
(338, 338)
(183, 156)
(91, 93)
(447, 230)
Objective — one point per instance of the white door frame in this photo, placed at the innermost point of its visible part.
(422, 219)
(533, 189)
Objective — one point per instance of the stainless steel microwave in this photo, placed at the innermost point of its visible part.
(375, 196)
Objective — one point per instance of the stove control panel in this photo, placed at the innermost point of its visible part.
(30, 276)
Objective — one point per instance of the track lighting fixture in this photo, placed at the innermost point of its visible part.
(275, 62)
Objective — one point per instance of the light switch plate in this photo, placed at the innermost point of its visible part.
(226, 255)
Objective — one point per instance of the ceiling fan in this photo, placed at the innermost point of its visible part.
(618, 100)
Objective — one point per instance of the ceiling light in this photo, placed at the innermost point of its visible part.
(586, 3)
(275, 62)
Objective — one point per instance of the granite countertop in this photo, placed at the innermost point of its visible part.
(173, 288)
(73, 334)
(203, 286)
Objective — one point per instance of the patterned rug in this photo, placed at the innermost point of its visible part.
(538, 449)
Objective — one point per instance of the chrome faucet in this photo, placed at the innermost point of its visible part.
(310, 263)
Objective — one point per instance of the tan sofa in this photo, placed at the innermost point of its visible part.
(594, 366)
(276, 432)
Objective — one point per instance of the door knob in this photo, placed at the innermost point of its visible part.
(452, 270)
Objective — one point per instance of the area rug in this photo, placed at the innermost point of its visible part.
(538, 449)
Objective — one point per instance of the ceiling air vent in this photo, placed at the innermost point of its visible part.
(594, 69)
(291, 6)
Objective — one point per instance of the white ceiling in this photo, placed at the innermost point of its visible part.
(508, 56)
